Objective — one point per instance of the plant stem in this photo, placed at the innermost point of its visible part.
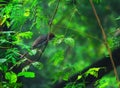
(105, 41)
(53, 16)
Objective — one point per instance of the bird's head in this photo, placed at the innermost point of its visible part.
(51, 36)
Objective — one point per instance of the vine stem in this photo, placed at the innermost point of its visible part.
(54, 13)
(105, 41)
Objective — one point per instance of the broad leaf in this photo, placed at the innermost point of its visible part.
(27, 74)
(69, 41)
(11, 76)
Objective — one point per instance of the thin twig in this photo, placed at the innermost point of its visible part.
(25, 54)
(50, 24)
(20, 61)
(42, 51)
(105, 41)
(53, 16)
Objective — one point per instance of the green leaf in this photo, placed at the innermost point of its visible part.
(4, 68)
(11, 76)
(51, 2)
(58, 39)
(66, 76)
(107, 81)
(118, 18)
(33, 52)
(57, 58)
(12, 55)
(26, 68)
(38, 65)
(27, 74)
(26, 35)
(79, 77)
(69, 41)
(93, 71)
(2, 60)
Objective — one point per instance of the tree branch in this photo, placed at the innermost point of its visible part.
(53, 16)
(90, 80)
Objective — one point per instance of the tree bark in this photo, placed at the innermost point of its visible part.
(90, 79)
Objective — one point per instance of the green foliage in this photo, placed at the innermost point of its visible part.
(69, 41)
(20, 36)
(78, 41)
(26, 68)
(2, 60)
(9, 85)
(118, 18)
(13, 15)
(12, 80)
(107, 82)
(73, 85)
(26, 35)
(11, 76)
(37, 65)
(5, 38)
(58, 58)
(61, 38)
(116, 42)
(51, 2)
(93, 72)
(58, 39)
(79, 77)
(12, 55)
(27, 74)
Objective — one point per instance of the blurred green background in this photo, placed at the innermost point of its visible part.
(78, 39)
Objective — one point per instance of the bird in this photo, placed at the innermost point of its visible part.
(39, 42)
(42, 40)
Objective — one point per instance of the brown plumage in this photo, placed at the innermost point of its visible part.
(42, 40)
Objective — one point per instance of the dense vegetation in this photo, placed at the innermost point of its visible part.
(79, 41)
